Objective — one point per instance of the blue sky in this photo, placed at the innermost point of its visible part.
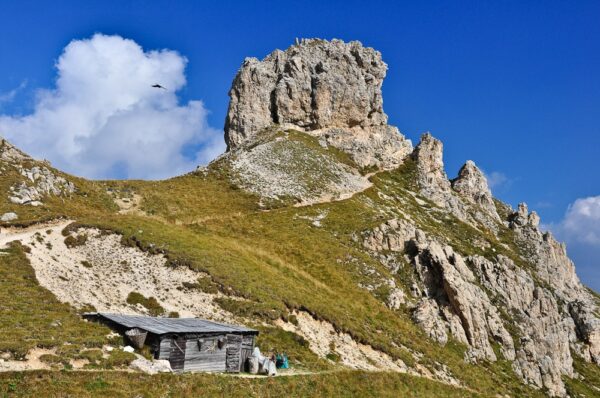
(514, 86)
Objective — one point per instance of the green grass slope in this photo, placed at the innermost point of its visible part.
(278, 260)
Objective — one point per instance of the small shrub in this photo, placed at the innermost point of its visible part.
(51, 359)
(86, 264)
(74, 241)
(174, 262)
(94, 356)
(150, 303)
(173, 314)
(97, 384)
(205, 285)
(87, 308)
(119, 358)
(293, 320)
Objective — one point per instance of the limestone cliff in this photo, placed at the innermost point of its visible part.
(513, 296)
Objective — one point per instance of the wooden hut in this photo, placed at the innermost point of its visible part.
(189, 344)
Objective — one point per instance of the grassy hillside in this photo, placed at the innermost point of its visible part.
(120, 384)
(277, 259)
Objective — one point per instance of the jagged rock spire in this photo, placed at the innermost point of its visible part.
(472, 185)
(431, 177)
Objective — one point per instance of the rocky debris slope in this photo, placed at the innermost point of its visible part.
(331, 89)
(106, 272)
(285, 169)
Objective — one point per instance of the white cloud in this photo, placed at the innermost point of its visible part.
(10, 95)
(496, 179)
(580, 229)
(581, 223)
(104, 120)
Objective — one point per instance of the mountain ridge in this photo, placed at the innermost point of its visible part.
(415, 272)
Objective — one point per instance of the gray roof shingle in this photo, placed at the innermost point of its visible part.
(171, 325)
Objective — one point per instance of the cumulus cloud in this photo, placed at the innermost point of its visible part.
(580, 229)
(581, 223)
(497, 179)
(9, 96)
(104, 120)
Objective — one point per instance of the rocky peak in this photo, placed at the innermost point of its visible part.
(9, 153)
(472, 185)
(311, 85)
(522, 217)
(431, 177)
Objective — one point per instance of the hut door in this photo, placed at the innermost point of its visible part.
(234, 353)
(177, 357)
(247, 348)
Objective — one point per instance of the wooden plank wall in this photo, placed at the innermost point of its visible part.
(164, 349)
(204, 355)
(234, 353)
(177, 356)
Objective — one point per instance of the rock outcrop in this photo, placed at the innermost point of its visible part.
(472, 185)
(10, 154)
(331, 89)
(432, 179)
(474, 299)
(40, 182)
(451, 302)
(10, 216)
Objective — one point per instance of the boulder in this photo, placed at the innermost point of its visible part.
(9, 217)
(151, 367)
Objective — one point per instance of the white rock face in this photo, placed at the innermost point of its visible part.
(473, 299)
(467, 197)
(328, 88)
(311, 85)
(379, 147)
(472, 184)
(9, 153)
(431, 176)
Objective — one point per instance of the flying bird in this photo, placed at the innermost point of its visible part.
(158, 86)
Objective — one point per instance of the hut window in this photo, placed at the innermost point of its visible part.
(206, 345)
(221, 343)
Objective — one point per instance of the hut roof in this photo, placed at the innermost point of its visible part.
(171, 325)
